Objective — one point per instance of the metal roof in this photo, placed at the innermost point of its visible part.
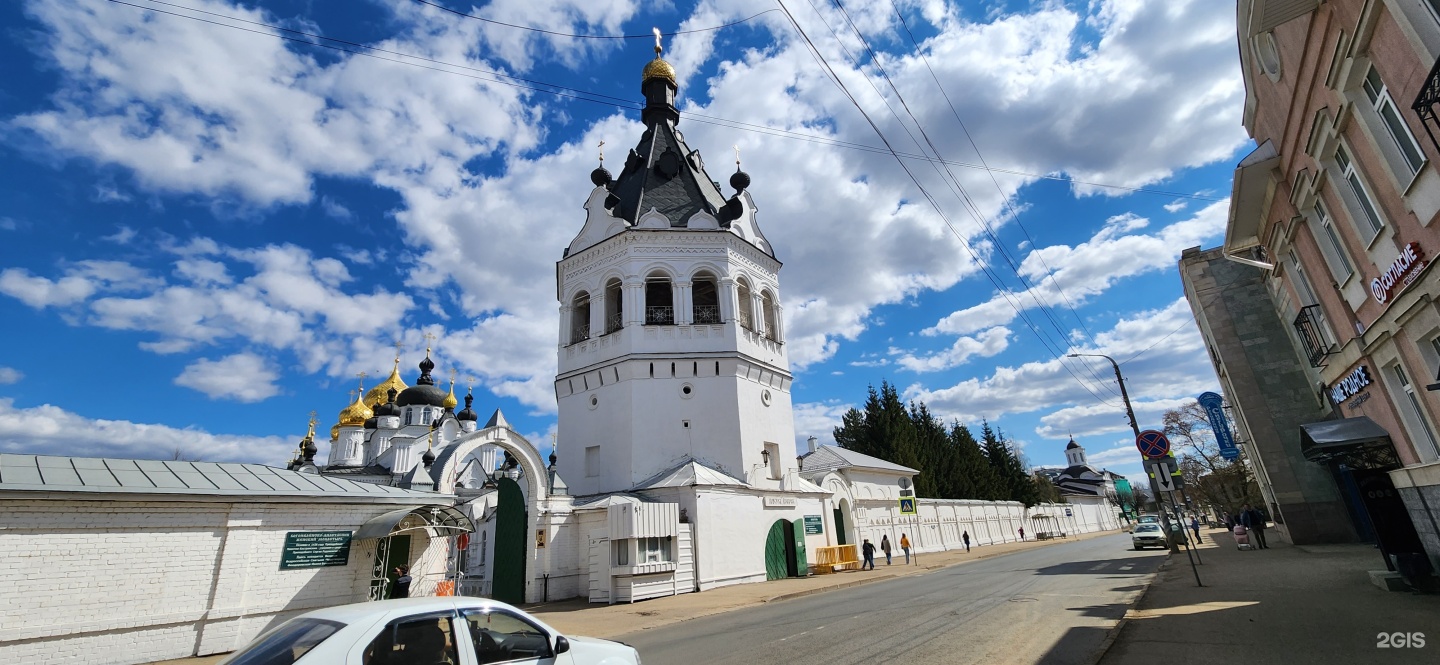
(826, 458)
(47, 473)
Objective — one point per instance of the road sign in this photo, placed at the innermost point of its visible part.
(1166, 474)
(907, 506)
(1152, 444)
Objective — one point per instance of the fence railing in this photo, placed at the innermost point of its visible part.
(659, 315)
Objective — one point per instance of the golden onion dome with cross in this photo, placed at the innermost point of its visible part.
(355, 415)
(380, 394)
(658, 68)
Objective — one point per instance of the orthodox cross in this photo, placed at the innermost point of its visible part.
(601, 146)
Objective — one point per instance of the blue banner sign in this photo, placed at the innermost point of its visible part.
(1214, 408)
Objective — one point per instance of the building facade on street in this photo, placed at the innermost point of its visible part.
(1336, 211)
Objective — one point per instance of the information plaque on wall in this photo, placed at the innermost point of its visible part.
(315, 549)
(814, 525)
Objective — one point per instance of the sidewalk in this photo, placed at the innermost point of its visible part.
(1287, 604)
(578, 617)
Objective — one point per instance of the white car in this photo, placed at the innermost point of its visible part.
(1148, 535)
(425, 631)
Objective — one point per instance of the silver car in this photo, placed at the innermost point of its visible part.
(426, 631)
(1148, 535)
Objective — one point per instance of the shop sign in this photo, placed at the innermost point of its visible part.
(315, 549)
(1404, 270)
(780, 502)
(1351, 385)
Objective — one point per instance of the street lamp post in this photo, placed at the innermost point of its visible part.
(1154, 489)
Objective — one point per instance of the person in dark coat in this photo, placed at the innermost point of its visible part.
(1254, 522)
(966, 537)
(402, 583)
(885, 547)
(868, 550)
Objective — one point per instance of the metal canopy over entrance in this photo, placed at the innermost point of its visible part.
(446, 520)
(1337, 440)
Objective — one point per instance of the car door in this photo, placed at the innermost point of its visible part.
(424, 638)
(500, 636)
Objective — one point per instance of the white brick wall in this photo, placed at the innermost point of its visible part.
(121, 582)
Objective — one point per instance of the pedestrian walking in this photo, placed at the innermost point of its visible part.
(885, 547)
(1195, 526)
(905, 545)
(1022, 533)
(966, 537)
(868, 549)
(402, 583)
(1254, 522)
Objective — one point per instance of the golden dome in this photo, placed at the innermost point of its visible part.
(355, 415)
(450, 402)
(658, 68)
(380, 394)
(335, 433)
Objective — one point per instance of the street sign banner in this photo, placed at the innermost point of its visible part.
(1153, 444)
(1214, 406)
(907, 506)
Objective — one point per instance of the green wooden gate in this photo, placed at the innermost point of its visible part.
(800, 563)
(840, 527)
(391, 552)
(508, 582)
(777, 566)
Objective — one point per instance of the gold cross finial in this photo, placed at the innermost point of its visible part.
(452, 379)
(399, 346)
(469, 384)
(428, 339)
(311, 433)
(658, 49)
(362, 376)
(601, 146)
(737, 157)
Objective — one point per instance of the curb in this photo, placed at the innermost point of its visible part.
(1114, 633)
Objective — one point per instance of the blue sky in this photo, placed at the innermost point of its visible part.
(207, 231)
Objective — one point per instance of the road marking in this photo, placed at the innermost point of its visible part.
(1099, 566)
(1128, 566)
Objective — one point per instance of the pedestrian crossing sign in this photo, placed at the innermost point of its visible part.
(907, 505)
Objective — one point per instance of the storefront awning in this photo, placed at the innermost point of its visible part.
(446, 520)
(1330, 439)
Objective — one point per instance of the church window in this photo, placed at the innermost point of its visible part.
(774, 459)
(580, 318)
(659, 301)
(706, 298)
(686, 390)
(695, 368)
(652, 370)
(424, 416)
(592, 461)
(717, 368)
(672, 370)
(772, 321)
(410, 416)
(614, 306)
(747, 307)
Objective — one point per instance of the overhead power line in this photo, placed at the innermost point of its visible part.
(629, 105)
(648, 35)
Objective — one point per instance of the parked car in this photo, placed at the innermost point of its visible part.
(426, 631)
(1148, 535)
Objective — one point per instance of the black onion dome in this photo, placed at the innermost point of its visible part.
(372, 423)
(389, 408)
(739, 180)
(424, 392)
(600, 176)
(1072, 445)
(468, 413)
(428, 458)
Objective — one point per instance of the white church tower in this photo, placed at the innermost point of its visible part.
(1075, 454)
(672, 340)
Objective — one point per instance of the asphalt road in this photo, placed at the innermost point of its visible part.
(1045, 605)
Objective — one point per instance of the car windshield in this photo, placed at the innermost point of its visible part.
(286, 644)
(1146, 527)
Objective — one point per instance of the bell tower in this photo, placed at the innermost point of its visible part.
(672, 336)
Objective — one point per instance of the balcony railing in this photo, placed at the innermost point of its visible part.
(614, 322)
(659, 315)
(707, 314)
(1426, 101)
(579, 334)
(1308, 328)
(745, 320)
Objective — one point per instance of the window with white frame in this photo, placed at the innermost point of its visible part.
(1369, 214)
(1395, 126)
(1306, 293)
(1416, 413)
(654, 550)
(1331, 247)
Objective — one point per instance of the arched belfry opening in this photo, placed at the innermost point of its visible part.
(614, 305)
(747, 304)
(659, 300)
(772, 320)
(705, 292)
(580, 318)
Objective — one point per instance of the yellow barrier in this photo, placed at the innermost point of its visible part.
(834, 558)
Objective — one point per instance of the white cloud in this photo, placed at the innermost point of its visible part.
(40, 292)
(51, 430)
(1176, 205)
(334, 209)
(10, 375)
(817, 419)
(986, 344)
(244, 377)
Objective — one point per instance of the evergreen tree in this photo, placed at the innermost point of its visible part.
(1017, 483)
(937, 461)
(973, 477)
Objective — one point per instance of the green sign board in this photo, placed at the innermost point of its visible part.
(315, 549)
(813, 525)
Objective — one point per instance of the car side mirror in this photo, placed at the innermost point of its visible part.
(561, 644)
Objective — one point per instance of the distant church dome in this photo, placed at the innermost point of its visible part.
(469, 413)
(658, 69)
(1072, 445)
(354, 415)
(450, 402)
(424, 392)
(376, 396)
